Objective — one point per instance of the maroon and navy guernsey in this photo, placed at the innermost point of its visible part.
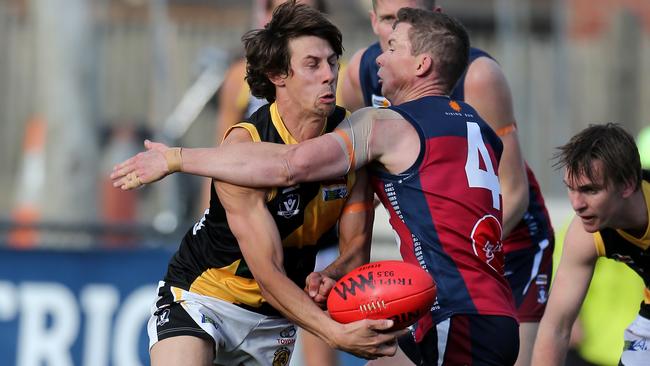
(446, 209)
(529, 246)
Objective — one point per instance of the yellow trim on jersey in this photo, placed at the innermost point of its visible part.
(644, 241)
(222, 283)
(599, 243)
(252, 130)
(177, 292)
(255, 135)
(282, 129)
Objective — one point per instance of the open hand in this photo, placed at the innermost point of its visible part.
(145, 167)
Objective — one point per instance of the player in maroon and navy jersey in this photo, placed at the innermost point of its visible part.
(434, 164)
(528, 235)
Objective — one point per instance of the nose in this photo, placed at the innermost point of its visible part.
(577, 201)
(331, 73)
(379, 59)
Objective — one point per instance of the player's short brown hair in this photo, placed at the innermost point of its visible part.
(422, 4)
(442, 37)
(608, 143)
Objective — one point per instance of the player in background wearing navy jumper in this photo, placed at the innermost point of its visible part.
(528, 234)
(434, 164)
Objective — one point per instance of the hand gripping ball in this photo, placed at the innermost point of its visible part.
(396, 290)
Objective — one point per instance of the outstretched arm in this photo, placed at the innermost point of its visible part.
(486, 89)
(263, 164)
(567, 294)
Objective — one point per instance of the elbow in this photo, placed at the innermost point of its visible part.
(296, 168)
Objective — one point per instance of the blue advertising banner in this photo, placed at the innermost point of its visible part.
(77, 308)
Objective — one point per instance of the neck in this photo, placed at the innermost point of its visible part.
(419, 89)
(300, 123)
(634, 217)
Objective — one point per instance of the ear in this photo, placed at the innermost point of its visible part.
(628, 189)
(373, 21)
(277, 79)
(424, 64)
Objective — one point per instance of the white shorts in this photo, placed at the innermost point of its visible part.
(325, 257)
(240, 336)
(636, 350)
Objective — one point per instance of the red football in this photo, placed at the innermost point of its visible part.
(394, 290)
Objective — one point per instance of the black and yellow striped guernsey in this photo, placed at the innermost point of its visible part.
(209, 261)
(635, 252)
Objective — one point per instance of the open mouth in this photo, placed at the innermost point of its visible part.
(327, 98)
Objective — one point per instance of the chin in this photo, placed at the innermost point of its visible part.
(326, 109)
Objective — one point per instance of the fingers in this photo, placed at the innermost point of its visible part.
(312, 284)
(380, 324)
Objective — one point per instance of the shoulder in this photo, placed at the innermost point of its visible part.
(580, 243)
(484, 72)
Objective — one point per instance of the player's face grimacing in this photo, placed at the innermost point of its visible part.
(313, 74)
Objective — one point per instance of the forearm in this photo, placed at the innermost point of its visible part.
(514, 184)
(515, 203)
(265, 164)
(261, 166)
(551, 345)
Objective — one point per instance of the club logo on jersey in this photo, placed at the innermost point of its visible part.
(486, 242)
(454, 105)
(336, 192)
(379, 101)
(542, 295)
(289, 206)
(281, 357)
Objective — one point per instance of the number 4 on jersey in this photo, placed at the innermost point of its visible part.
(477, 153)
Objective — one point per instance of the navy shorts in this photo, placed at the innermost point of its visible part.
(528, 272)
(478, 340)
